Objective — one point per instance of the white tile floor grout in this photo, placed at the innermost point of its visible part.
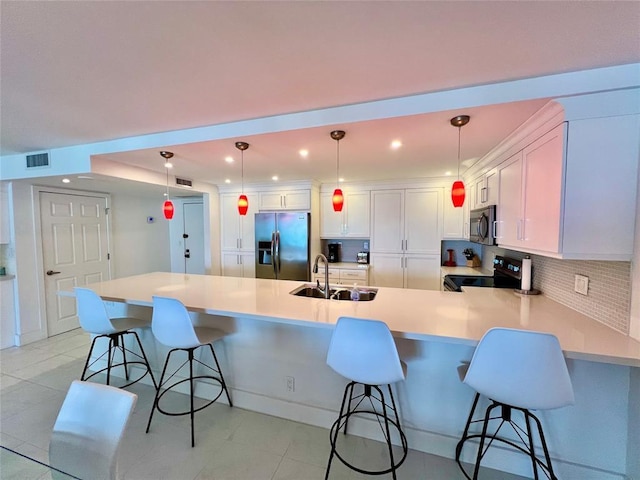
(231, 443)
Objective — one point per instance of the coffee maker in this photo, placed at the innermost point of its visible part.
(334, 252)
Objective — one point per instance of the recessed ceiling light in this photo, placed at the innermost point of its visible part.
(228, 159)
(66, 180)
(274, 178)
(341, 179)
(227, 180)
(304, 153)
(447, 174)
(396, 144)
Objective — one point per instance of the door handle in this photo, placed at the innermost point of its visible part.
(51, 272)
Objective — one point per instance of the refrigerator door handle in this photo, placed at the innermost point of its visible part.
(273, 252)
(276, 258)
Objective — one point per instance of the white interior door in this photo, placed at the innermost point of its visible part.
(75, 251)
(193, 215)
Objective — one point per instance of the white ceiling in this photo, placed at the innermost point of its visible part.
(74, 73)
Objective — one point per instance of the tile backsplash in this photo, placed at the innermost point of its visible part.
(609, 296)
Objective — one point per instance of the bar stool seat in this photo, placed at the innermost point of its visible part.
(172, 327)
(364, 352)
(94, 319)
(518, 371)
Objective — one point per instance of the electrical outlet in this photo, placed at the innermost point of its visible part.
(581, 284)
(291, 384)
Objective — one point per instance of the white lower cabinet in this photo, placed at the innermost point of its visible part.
(238, 264)
(343, 276)
(416, 271)
(7, 314)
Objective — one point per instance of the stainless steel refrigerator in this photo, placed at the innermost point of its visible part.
(282, 245)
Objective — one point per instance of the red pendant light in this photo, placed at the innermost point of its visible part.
(243, 204)
(167, 208)
(457, 189)
(338, 198)
(243, 201)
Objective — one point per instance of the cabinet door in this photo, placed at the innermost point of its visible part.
(248, 263)
(492, 186)
(387, 270)
(387, 221)
(229, 222)
(357, 214)
(423, 220)
(331, 222)
(543, 171)
(455, 218)
(248, 224)
(510, 203)
(231, 264)
(297, 200)
(271, 201)
(422, 272)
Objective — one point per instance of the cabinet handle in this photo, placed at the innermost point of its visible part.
(484, 196)
(518, 229)
(283, 201)
(495, 229)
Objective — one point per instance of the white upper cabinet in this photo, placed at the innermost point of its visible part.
(455, 225)
(237, 231)
(286, 200)
(354, 219)
(406, 234)
(484, 190)
(571, 193)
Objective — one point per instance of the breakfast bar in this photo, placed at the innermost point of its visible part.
(275, 350)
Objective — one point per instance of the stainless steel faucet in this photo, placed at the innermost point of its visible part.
(324, 290)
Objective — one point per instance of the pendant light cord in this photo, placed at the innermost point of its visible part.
(337, 163)
(242, 170)
(459, 128)
(167, 182)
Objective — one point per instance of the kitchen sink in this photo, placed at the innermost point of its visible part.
(310, 290)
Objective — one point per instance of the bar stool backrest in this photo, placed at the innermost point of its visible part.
(521, 368)
(364, 351)
(92, 312)
(89, 428)
(171, 324)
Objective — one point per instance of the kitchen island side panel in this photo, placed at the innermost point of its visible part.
(587, 440)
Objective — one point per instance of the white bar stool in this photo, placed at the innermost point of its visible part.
(88, 431)
(172, 327)
(517, 370)
(363, 351)
(94, 319)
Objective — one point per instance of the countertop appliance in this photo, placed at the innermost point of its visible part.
(507, 273)
(363, 257)
(482, 225)
(334, 252)
(282, 245)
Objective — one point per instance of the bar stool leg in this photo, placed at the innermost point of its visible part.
(146, 360)
(157, 396)
(109, 360)
(222, 381)
(336, 430)
(485, 425)
(387, 429)
(86, 364)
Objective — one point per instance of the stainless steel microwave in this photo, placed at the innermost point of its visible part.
(482, 225)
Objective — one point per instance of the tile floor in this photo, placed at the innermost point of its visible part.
(231, 443)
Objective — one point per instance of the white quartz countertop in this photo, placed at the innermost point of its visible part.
(470, 271)
(414, 314)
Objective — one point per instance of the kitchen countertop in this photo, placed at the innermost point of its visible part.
(451, 317)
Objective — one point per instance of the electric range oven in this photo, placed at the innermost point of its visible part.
(507, 273)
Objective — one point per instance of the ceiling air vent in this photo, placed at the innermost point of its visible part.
(183, 182)
(38, 160)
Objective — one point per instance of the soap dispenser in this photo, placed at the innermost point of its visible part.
(355, 294)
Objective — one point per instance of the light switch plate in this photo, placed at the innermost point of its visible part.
(581, 284)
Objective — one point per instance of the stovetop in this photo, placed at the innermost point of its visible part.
(506, 274)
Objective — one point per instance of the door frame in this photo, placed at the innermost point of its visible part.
(39, 266)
